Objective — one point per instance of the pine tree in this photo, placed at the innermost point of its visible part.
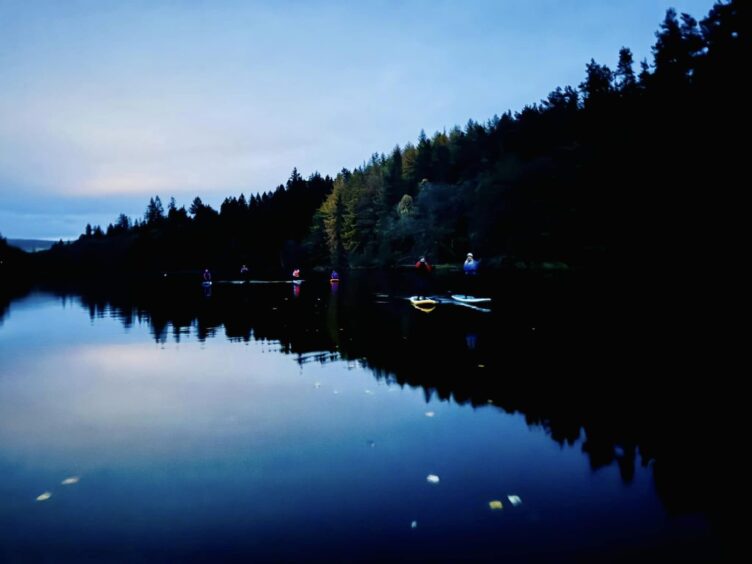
(625, 76)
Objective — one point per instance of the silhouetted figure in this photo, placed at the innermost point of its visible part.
(471, 265)
(471, 272)
(207, 283)
(296, 279)
(244, 273)
(423, 268)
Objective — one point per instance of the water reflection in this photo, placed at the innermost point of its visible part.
(552, 352)
(567, 369)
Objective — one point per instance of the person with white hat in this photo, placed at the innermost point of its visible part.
(471, 265)
(471, 271)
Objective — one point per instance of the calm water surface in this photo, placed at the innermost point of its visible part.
(268, 423)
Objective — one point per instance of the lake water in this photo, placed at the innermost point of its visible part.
(267, 422)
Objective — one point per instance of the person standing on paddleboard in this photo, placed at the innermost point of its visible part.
(423, 268)
(471, 265)
(471, 272)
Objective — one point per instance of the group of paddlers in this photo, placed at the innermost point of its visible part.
(423, 267)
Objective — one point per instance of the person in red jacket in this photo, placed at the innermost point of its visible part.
(423, 268)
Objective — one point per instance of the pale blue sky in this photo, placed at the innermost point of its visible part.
(104, 104)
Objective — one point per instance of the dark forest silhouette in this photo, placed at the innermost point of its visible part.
(266, 232)
(14, 269)
(634, 166)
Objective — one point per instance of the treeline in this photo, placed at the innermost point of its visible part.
(617, 168)
(632, 167)
(14, 269)
(265, 232)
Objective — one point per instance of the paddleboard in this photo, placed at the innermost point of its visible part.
(470, 299)
(471, 306)
(260, 281)
(422, 301)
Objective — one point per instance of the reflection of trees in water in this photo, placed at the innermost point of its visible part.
(7, 295)
(4, 305)
(565, 368)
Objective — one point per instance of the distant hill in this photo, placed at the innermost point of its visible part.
(31, 245)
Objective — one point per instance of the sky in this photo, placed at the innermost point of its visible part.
(104, 104)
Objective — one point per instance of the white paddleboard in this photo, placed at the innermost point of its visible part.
(470, 299)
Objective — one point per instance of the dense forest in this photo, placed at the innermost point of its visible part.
(14, 267)
(265, 231)
(635, 167)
